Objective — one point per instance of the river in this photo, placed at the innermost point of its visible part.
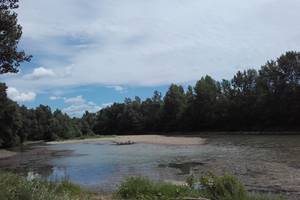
(269, 164)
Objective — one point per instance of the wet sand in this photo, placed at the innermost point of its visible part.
(5, 153)
(147, 139)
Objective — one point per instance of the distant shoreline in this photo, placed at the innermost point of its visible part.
(147, 139)
(174, 138)
(6, 153)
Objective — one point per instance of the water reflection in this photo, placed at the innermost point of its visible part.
(264, 163)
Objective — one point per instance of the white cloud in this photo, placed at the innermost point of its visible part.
(16, 95)
(76, 106)
(142, 42)
(40, 72)
(118, 88)
(107, 104)
(54, 98)
(75, 100)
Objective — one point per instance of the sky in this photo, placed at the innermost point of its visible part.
(88, 54)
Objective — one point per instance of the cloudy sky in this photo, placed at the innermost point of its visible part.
(88, 54)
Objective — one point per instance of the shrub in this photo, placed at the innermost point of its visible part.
(14, 187)
(137, 188)
(223, 187)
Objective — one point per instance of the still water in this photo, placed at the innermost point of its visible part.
(263, 163)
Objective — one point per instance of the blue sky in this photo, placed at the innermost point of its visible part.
(88, 54)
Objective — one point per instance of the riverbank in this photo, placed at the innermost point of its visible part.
(17, 187)
(147, 139)
(6, 153)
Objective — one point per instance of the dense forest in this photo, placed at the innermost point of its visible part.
(267, 99)
(263, 100)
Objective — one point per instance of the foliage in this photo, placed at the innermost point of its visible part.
(13, 187)
(212, 187)
(253, 100)
(137, 188)
(10, 34)
(18, 124)
(223, 188)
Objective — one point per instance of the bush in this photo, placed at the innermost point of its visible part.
(14, 187)
(223, 188)
(137, 188)
(211, 187)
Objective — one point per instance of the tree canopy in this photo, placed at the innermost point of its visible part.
(10, 35)
(267, 99)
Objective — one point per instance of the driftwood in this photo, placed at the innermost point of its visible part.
(125, 143)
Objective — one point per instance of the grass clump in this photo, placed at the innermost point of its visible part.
(14, 187)
(223, 188)
(138, 188)
(210, 187)
(228, 187)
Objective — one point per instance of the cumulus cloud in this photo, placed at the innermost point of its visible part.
(54, 98)
(148, 43)
(118, 88)
(16, 95)
(75, 100)
(40, 72)
(76, 106)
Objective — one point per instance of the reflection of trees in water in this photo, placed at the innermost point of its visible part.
(32, 158)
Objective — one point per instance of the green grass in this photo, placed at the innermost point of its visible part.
(228, 187)
(14, 187)
(142, 188)
(212, 187)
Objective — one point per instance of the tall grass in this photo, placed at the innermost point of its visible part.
(14, 187)
(210, 187)
(227, 187)
(144, 189)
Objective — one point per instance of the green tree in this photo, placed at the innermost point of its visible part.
(44, 119)
(244, 99)
(173, 107)
(151, 110)
(10, 34)
(10, 120)
(279, 84)
(207, 92)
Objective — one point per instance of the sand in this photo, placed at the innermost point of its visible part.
(147, 139)
(5, 153)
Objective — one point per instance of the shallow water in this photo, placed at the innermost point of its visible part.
(264, 163)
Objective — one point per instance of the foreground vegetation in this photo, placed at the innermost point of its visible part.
(208, 187)
(14, 187)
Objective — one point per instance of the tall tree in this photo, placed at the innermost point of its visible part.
(244, 99)
(206, 95)
(174, 106)
(10, 120)
(10, 35)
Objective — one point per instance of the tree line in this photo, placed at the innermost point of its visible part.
(253, 100)
(18, 123)
(267, 99)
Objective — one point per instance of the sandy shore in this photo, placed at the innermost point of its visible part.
(5, 153)
(147, 139)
